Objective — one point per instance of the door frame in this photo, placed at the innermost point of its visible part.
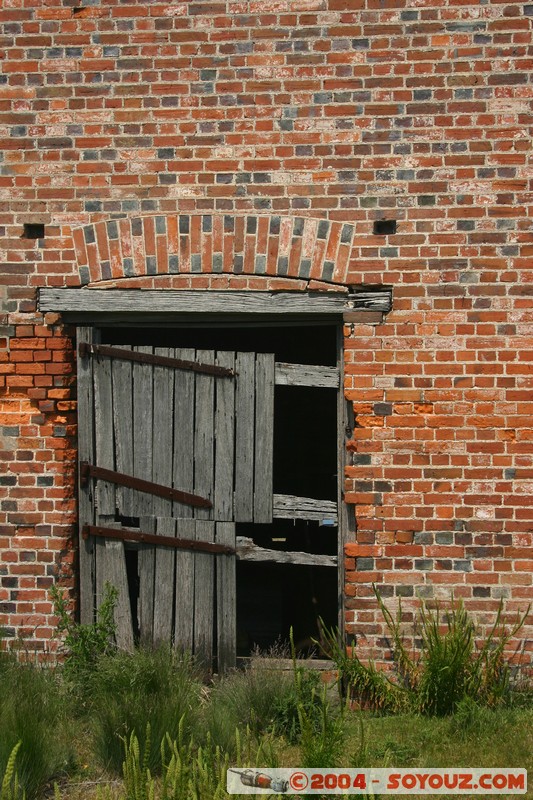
(90, 310)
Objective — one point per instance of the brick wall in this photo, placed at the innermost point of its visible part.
(350, 111)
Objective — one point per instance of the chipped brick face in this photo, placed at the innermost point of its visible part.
(253, 145)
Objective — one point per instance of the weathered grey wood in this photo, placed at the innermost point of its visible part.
(378, 299)
(123, 424)
(104, 434)
(225, 441)
(85, 501)
(306, 375)
(226, 600)
(142, 430)
(244, 436)
(184, 596)
(114, 573)
(165, 572)
(177, 301)
(101, 558)
(146, 585)
(264, 437)
(183, 466)
(204, 462)
(247, 550)
(162, 439)
(204, 595)
(287, 506)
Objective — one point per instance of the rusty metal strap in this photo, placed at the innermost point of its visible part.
(90, 471)
(88, 349)
(128, 535)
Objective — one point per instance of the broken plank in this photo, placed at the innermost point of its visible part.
(248, 550)
(306, 375)
(287, 506)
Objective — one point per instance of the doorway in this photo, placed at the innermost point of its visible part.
(285, 571)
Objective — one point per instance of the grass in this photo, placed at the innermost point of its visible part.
(114, 726)
(194, 764)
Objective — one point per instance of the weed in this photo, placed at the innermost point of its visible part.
(10, 788)
(33, 712)
(85, 644)
(448, 667)
(147, 691)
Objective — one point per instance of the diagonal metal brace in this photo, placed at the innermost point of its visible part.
(148, 487)
(86, 349)
(128, 535)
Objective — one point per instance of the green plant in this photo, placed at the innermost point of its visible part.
(263, 698)
(10, 788)
(85, 644)
(147, 693)
(448, 667)
(321, 740)
(34, 712)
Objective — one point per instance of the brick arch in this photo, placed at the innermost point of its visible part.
(166, 249)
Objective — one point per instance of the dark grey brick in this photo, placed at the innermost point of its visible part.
(364, 564)
(174, 264)
(207, 224)
(127, 263)
(260, 264)
(184, 224)
(361, 459)
(11, 430)
(323, 228)
(151, 265)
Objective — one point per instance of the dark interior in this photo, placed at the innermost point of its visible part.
(273, 598)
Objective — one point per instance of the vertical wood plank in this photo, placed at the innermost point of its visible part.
(86, 499)
(105, 456)
(204, 573)
(226, 600)
(162, 437)
(184, 599)
(225, 440)
(183, 466)
(204, 439)
(146, 585)
(123, 423)
(114, 572)
(264, 437)
(244, 437)
(142, 430)
(164, 584)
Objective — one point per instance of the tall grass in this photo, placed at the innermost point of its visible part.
(449, 667)
(149, 694)
(34, 713)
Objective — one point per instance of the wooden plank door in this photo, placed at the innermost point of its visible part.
(204, 428)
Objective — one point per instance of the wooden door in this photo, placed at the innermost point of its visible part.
(175, 447)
